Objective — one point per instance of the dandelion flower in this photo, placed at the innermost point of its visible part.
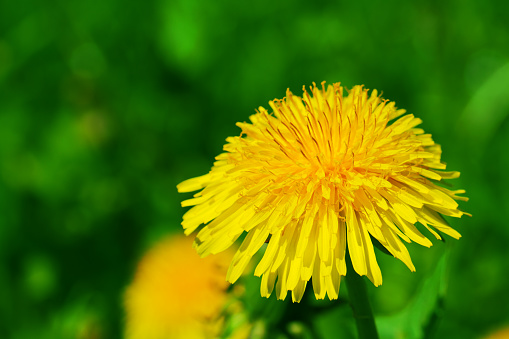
(176, 294)
(500, 334)
(319, 175)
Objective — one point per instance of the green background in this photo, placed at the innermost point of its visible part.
(106, 105)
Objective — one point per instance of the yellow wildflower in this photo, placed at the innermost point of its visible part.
(316, 174)
(176, 294)
(502, 333)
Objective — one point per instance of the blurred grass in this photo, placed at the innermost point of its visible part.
(106, 106)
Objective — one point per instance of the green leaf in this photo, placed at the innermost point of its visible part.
(488, 107)
(418, 320)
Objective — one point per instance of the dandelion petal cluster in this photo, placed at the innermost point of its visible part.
(320, 175)
(176, 294)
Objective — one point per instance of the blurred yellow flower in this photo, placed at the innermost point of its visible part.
(176, 294)
(500, 334)
(316, 174)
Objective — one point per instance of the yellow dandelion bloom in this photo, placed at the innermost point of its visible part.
(176, 294)
(319, 173)
(500, 334)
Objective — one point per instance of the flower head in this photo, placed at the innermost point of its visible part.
(319, 175)
(175, 293)
(500, 334)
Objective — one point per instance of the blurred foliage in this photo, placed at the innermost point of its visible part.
(106, 105)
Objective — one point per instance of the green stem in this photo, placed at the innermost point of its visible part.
(359, 302)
